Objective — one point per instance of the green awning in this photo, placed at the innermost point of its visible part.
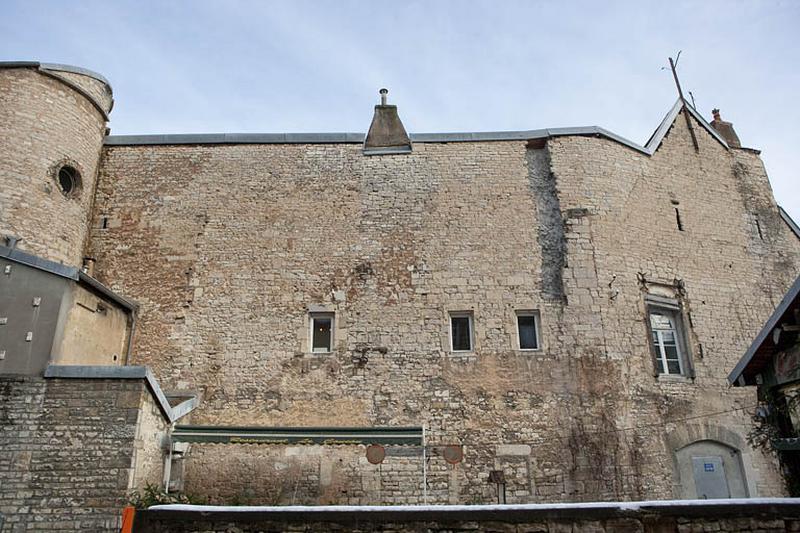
(299, 435)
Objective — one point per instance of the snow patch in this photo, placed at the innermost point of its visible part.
(622, 506)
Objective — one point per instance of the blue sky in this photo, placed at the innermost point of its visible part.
(301, 66)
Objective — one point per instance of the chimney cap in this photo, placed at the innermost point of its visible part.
(386, 134)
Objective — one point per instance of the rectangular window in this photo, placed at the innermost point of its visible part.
(461, 332)
(668, 340)
(321, 332)
(528, 330)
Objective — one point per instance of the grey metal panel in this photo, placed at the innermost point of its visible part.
(740, 367)
(709, 478)
(18, 289)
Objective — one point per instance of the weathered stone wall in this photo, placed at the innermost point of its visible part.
(228, 247)
(67, 451)
(250, 474)
(44, 123)
(729, 277)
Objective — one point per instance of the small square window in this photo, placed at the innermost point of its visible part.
(321, 332)
(461, 332)
(528, 330)
(668, 344)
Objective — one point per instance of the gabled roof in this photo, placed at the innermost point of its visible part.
(763, 348)
(358, 138)
(666, 124)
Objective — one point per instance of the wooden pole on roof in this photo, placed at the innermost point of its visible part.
(683, 102)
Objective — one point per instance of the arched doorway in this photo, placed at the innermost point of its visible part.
(710, 470)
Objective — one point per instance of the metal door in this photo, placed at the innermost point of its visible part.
(709, 477)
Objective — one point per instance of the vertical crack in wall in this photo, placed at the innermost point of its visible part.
(551, 226)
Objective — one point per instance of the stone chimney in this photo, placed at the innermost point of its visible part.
(725, 129)
(386, 133)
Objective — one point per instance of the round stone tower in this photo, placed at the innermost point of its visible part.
(52, 124)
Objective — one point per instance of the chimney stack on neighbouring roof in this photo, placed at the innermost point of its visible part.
(725, 129)
(386, 133)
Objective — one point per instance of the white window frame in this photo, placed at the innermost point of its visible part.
(524, 313)
(312, 318)
(471, 322)
(672, 310)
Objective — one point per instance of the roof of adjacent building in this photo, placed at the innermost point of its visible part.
(64, 271)
(764, 347)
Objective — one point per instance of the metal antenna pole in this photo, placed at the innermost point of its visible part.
(685, 108)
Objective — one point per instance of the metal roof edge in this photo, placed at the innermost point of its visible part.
(234, 138)
(789, 222)
(58, 67)
(468, 136)
(787, 300)
(661, 131)
(358, 138)
(666, 123)
(58, 269)
(130, 305)
(39, 263)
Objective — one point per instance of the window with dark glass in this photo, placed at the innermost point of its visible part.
(322, 332)
(527, 331)
(461, 332)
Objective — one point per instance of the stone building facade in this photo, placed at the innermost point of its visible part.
(556, 311)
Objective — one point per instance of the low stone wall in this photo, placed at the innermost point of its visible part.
(762, 515)
(68, 450)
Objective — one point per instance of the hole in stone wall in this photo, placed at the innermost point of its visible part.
(678, 219)
(758, 227)
(69, 181)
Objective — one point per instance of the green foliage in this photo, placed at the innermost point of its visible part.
(773, 421)
(155, 495)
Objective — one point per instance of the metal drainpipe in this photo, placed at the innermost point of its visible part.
(424, 468)
(168, 465)
(130, 337)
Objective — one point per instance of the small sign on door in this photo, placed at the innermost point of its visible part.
(708, 467)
